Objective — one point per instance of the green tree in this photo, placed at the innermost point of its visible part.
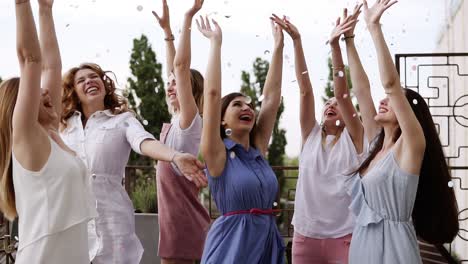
(329, 86)
(146, 93)
(276, 150)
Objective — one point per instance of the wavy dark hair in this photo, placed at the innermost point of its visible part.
(225, 101)
(435, 213)
(71, 103)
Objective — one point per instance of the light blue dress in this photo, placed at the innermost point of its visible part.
(383, 202)
(247, 182)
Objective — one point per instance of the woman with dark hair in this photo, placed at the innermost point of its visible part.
(97, 125)
(42, 182)
(322, 222)
(234, 145)
(180, 210)
(400, 191)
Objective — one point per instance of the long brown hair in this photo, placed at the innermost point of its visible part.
(196, 80)
(435, 213)
(8, 95)
(71, 102)
(225, 101)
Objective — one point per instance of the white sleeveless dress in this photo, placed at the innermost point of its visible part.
(54, 206)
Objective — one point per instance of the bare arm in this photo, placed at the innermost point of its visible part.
(164, 22)
(361, 85)
(30, 143)
(188, 164)
(271, 93)
(413, 144)
(188, 107)
(26, 111)
(306, 99)
(212, 147)
(345, 105)
(51, 60)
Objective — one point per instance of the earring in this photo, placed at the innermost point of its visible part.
(228, 132)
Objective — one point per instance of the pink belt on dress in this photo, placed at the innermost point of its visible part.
(254, 211)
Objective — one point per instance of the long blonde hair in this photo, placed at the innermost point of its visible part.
(8, 95)
(71, 103)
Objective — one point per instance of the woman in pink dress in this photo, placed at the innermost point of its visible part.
(183, 220)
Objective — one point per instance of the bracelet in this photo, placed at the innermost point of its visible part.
(348, 37)
(170, 38)
(173, 156)
(340, 67)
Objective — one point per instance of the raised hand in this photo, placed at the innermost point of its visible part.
(197, 5)
(287, 26)
(205, 28)
(355, 15)
(277, 34)
(163, 20)
(341, 27)
(191, 168)
(46, 3)
(372, 15)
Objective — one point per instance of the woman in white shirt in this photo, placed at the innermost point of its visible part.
(322, 221)
(41, 181)
(97, 125)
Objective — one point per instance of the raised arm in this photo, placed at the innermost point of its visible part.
(306, 99)
(165, 24)
(188, 106)
(51, 60)
(271, 93)
(360, 81)
(411, 131)
(345, 105)
(25, 115)
(212, 147)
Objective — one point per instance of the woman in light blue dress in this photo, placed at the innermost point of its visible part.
(400, 192)
(234, 144)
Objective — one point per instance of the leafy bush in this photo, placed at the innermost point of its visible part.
(144, 196)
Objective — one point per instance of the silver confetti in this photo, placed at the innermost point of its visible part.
(337, 123)
(248, 100)
(145, 122)
(450, 184)
(232, 155)
(260, 99)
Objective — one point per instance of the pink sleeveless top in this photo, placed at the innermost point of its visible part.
(183, 221)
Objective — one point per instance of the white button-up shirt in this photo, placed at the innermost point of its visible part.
(104, 145)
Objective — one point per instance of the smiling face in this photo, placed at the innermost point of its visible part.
(47, 112)
(89, 87)
(171, 93)
(331, 113)
(385, 113)
(239, 115)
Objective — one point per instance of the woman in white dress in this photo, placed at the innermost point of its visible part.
(42, 182)
(97, 125)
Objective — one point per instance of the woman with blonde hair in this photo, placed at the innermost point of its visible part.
(180, 210)
(42, 182)
(98, 126)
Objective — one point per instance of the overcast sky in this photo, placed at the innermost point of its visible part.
(102, 31)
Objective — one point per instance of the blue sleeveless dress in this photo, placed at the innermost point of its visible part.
(247, 182)
(383, 202)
